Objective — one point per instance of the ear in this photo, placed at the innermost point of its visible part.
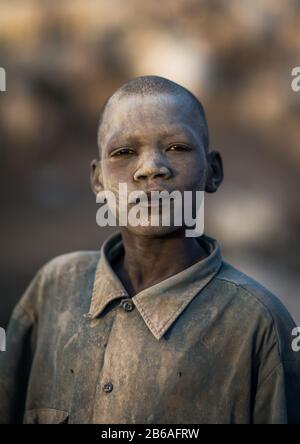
(215, 172)
(96, 176)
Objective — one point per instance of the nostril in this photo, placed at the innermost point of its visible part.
(161, 175)
(152, 173)
(165, 174)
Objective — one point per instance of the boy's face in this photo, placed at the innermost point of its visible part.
(152, 142)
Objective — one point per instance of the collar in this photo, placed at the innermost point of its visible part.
(161, 304)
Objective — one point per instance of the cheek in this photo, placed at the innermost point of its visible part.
(115, 173)
(190, 173)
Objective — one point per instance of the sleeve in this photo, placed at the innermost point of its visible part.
(278, 397)
(15, 361)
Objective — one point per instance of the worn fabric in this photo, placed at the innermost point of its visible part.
(207, 345)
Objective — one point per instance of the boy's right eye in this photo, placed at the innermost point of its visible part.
(122, 152)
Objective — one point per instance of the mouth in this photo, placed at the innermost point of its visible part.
(149, 200)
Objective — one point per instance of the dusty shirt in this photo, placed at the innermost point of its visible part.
(207, 345)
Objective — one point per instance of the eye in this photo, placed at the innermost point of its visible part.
(122, 152)
(179, 147)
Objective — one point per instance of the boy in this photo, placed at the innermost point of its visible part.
(156, 327)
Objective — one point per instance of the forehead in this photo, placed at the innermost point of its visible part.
(138, 114)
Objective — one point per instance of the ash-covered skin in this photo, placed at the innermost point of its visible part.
(154, 142)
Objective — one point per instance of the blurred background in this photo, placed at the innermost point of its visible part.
(63, 59)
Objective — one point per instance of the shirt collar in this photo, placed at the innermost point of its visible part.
(161, 304)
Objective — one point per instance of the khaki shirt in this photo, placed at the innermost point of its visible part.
(207, 345)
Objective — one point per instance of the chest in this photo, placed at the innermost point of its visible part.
(113, 370)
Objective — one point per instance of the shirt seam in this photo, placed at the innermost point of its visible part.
(269, 375)
(282, 362)
(28, 314)
(261, 303)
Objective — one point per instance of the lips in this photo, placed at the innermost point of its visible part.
(154, 201)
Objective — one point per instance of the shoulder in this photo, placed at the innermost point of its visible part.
(250, 290)
(69, 263)
(254, 300)
(58, 280)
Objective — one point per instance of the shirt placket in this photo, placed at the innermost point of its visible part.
(109, 387)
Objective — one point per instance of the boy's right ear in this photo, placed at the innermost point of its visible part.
(96, 176)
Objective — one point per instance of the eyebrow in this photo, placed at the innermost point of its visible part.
(118, 136)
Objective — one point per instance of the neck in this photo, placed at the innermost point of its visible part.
(148, 261)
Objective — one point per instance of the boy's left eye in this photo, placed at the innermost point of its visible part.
(178, 147)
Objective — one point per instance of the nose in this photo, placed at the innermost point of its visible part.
(152, 168)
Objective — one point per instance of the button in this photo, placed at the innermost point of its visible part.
(127, 304)
(107, 387)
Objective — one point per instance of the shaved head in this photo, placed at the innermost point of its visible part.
(150, 85)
